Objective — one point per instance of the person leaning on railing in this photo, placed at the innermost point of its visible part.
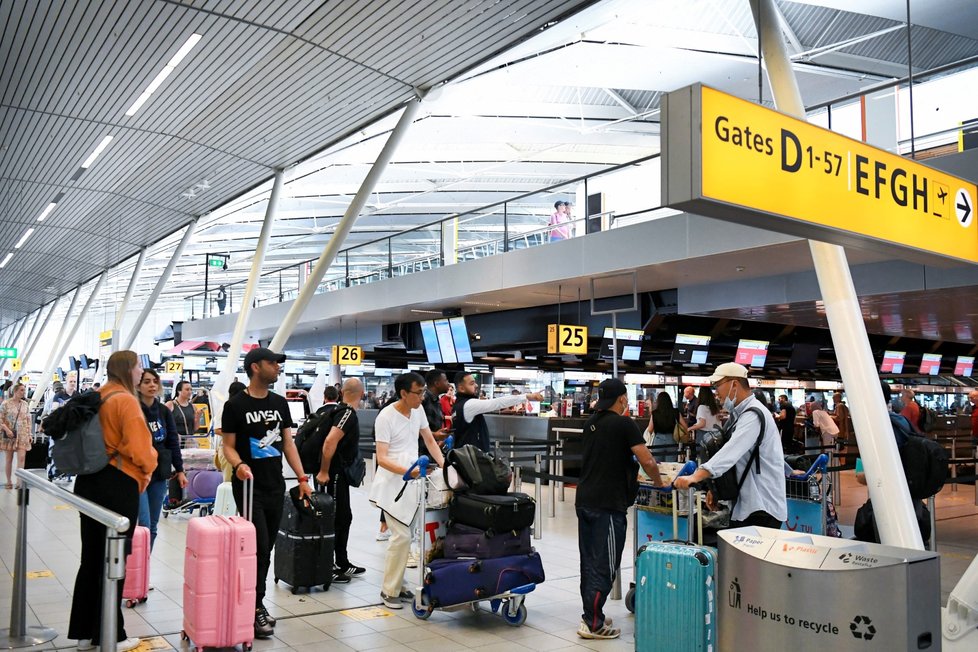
(132, 461)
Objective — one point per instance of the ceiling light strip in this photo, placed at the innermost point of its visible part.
(23, 238)
(46, 211)
(163, 74)
(6, 259)
(98, 150)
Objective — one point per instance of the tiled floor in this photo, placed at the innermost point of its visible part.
(331, 620)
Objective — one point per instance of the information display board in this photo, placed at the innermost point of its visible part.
(751, 353)
(893, 362)
(964, 365)
(691, 348)
(930, 364)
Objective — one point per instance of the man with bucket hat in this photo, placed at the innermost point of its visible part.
(751, 426)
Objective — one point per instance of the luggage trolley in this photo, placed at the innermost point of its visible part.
(807, 496)
(509, 604)
(656, 515)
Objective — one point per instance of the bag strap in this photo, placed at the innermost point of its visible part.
(755, 454)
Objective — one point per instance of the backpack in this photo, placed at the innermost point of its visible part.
(480, 472)
(310, 437)
(80, 448)
(928, 419)
(924, 460)
(864, 527)
(727, 486)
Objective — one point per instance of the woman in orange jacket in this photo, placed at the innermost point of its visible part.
(132, 460)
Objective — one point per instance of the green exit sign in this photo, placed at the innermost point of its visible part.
(8, 352)
(215, 262)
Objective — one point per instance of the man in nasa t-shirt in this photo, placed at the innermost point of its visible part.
(256, 427)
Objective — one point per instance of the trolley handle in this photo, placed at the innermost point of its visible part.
(820, 464)
(449, 442)
(422, 464)
(687, 469)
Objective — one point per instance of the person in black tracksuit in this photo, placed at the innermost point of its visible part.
(256, 427)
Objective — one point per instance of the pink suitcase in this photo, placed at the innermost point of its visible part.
(136, 587)
(219, 570)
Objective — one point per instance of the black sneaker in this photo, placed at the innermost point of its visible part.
(263, 628)
(269, 617)
(340, 578)
(350, 571)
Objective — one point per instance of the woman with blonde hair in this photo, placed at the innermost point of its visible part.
(132, 460)
(15, 426)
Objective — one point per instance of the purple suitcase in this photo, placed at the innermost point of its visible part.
(464, 541)
(457, 581)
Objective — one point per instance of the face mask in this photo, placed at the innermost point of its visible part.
(728, 403)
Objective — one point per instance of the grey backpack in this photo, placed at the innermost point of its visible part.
(81, 451)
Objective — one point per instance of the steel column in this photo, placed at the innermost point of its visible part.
(877, 444)
(160, 284)
(219, 391)
(63, 334)
(133, 280)
(345, 226)
(63, 348)
(13, 341)
(36, 337)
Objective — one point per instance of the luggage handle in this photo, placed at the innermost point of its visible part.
(820, 464)
(422, 464)
(248, 497)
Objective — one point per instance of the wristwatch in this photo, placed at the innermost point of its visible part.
(303, 478)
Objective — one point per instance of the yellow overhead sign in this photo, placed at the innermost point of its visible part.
(173, 367)
(15, 365)
(753, 165)
(567, 338)
(347, 355)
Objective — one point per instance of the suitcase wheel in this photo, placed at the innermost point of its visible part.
(516, 619)
(183, 636)
(475, 567)
(247, 647)
(481, 593)
(429, 579)
(702, 558)
(424, 612)
(630, 600)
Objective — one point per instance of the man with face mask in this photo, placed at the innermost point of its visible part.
(762, 499)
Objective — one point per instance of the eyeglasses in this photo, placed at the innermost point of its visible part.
(420, 392)
(715, 386)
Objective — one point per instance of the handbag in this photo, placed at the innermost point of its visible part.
(680, 433)
(355, 471)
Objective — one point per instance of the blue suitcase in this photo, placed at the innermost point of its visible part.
(457, 581)
(675, 607)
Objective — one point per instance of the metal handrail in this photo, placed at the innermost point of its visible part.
(19, 635)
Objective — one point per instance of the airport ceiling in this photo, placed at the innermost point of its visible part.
(529, 94)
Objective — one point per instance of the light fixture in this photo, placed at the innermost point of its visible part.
(163, 74)
(6, 259)
(98, 150)
(23, 238)
(46, 211)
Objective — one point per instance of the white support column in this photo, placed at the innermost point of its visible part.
(18, 328)
(219, 390)
(344, 226)
(36, 337)
(160, 284)
(877, 445)
(121, 311)
(59, 352)
(63, 334)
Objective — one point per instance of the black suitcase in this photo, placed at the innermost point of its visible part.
(457, 581)
(37, 456)
(493, 514)
(463, 541)
(305, 543)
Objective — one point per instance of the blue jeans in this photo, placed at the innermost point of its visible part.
(600, 534)
(150, 505)
(665, 448)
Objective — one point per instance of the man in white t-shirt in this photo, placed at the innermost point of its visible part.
(397, 429)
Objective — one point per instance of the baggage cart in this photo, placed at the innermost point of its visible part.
(508, 604)
(807, 494)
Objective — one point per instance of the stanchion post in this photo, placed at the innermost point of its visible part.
(537, 496)
(115, 570)
(560, 469)
(932, 506)
(518, 478)
(552, 465)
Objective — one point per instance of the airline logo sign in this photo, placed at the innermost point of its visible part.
(753, 165)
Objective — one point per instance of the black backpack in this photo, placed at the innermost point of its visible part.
(310, 437)
(924, 460)
(727, 486)
(482, 473)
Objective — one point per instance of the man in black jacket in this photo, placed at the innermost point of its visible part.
(469, 420)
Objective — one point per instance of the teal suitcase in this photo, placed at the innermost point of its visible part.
(675, 591)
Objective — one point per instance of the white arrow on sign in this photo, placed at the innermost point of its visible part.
(962, 207)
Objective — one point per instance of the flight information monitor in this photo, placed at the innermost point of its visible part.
(930, 364)
(893, 362)
(751, 353)
(446, 340)
(804, 357)
(691, 348)
(629, 344)
(964, 365)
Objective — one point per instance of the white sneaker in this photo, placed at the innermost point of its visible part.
(413, 559)
(384, 536)
(85, 644)
(130, 643)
